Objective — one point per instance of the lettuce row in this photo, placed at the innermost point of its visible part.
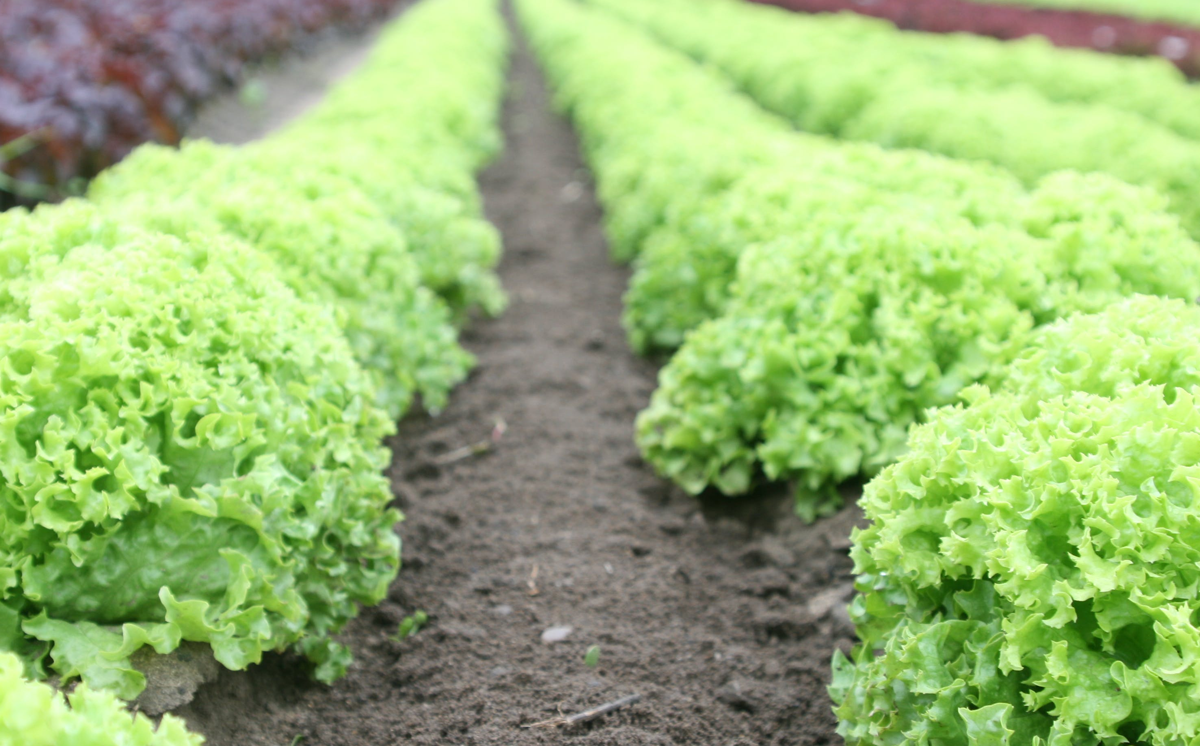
(829, 297)
(412, 154)
(369, 201)
(837, 338)
(1027, 107)
(190, 452)
(1149, 86)
(446, 65)
(190, 444)
(332, 247)
(34, 714)
(1028, 572)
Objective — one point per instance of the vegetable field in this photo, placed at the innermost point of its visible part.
(616, 372)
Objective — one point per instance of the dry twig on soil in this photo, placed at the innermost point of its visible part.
(592, 714)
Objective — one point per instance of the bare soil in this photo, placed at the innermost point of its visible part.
(279, 91)
(721, 613)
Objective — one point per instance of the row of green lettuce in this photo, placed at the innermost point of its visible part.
(1028, 573)
(1184, 12)
(818, 296)
(1025, 105)
(200, 361)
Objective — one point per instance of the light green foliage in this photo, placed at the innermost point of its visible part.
(1151, 87)
(410, 128)
(839, 336)
(1027, 574)
(189, 448)
(411, 625)
(684, 272)
(1026, 106)
(190, 452)
(332, 245)
(835, 342)
(1143, 339)
(33, 714)
(405, 132)
(1177, 11)
(844, 289)
(651, 146)
(591, 658)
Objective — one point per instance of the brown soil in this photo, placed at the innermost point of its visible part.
(722, 614)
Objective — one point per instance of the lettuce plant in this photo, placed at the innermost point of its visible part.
(34, 714)
(837, 338)
(1027, 576)
(188, 451)
(684, 273)
(834, 343)
(1139, 340)
(330, 240)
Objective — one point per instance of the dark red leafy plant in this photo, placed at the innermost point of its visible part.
(82, 82)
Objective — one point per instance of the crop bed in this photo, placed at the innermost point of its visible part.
(872, 440)
(698, 606)
(1105, 32)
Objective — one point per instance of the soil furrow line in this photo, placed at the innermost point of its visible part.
(723, 624)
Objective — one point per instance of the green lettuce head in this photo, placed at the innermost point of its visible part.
(33, 714)
(188, 451)
(330, 242)
(1029, 576)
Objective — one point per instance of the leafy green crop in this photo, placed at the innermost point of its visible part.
(331, 242)
(414, 151)
(1143, 339)
(684, 272)
(827, 297)
(405, 132)
(1028, 576)
(33, 714)
(1025, 106)
(1025, 574)
(839, 336)
(1150, 86)
(189, 447)
(190, 452)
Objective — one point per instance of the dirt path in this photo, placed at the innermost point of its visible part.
(725, 628)
(278, 92)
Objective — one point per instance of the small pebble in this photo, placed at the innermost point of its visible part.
(557, 634)
(502, 610)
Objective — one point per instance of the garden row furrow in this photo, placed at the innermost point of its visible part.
(199, 363)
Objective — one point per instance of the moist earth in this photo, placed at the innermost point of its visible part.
(722, 614)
